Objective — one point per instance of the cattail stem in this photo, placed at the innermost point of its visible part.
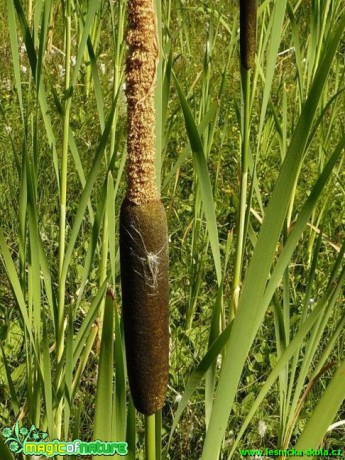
(158, 431)
(245, 81)
(248, 15)
(150, 438)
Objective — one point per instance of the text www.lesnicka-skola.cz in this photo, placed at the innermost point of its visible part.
(291, 452)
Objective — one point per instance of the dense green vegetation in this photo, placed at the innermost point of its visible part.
(253, 363)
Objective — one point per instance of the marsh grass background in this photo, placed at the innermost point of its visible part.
(260, 379)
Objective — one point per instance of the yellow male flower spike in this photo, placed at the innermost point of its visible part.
(248, 15)
(143, 224)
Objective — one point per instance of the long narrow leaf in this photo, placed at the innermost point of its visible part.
(203, 177)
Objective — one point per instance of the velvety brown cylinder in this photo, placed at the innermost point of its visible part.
(248, 14)
(144, 279)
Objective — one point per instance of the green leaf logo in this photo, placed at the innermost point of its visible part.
(18, 436)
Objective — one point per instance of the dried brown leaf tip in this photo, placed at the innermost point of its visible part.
(141, 70)
(248, 15)
(110, 293)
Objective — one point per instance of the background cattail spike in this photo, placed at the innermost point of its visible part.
(248, 15)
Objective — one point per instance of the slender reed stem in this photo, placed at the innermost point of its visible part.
(245, 79)
(119, 38)
(150, 437)
(64, 169)
(116, 83)
(63, 198)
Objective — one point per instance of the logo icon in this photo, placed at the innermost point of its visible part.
(18, 436)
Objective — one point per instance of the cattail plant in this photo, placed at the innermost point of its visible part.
(143, 225)
(248, 15)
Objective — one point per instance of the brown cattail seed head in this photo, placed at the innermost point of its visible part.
(144, 279)
(141, 70)
(248, 14)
